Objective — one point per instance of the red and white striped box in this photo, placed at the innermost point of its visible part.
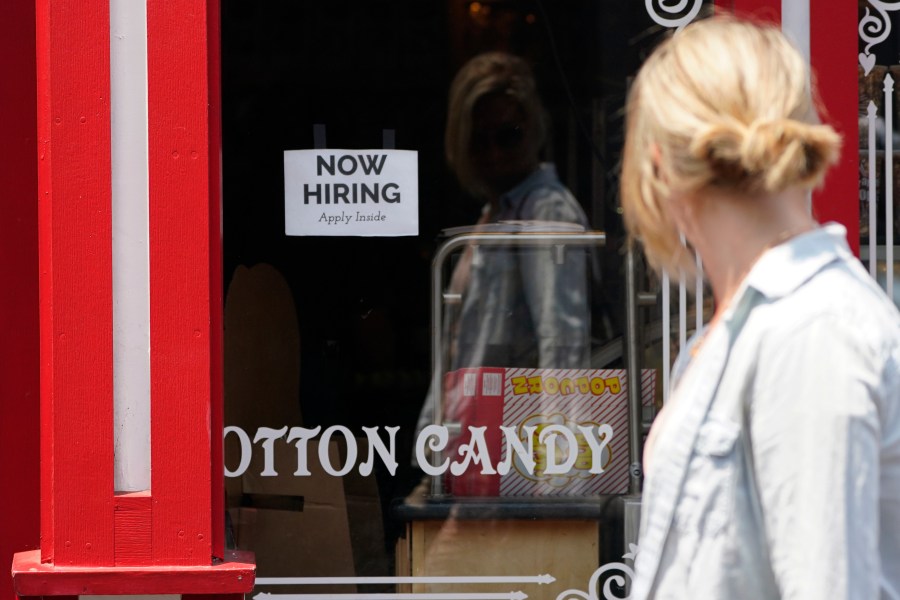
(518, 398)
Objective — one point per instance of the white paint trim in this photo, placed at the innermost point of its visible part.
(795, 24)
(889, 182)
(130, 243)
(871, 112)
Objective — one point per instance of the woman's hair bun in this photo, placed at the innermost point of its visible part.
(767, 155)
(724, 105)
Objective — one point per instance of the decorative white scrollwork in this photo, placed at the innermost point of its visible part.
(874, 29)
(673, 7)
(594, 584)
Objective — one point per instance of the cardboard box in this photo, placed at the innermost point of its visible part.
(318, 525)
(296, 526)
(519, 398)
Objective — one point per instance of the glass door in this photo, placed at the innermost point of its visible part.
(443, 406)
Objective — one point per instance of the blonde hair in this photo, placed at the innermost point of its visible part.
(485, 74)
(722, 105)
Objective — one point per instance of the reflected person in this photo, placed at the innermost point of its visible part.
(519, 306)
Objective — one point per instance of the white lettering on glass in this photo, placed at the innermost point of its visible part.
(597, 444)
(516, 450)
(475, 452)
(376, 445)
(559, 449)
(302, 435)
(437, 438)
(268, 436)
(246, 451)
(324, 456)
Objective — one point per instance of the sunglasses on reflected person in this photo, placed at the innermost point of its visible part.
(505, 137)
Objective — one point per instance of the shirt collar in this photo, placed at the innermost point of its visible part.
(784, 268)
(777, 273)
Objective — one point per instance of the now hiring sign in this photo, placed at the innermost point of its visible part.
(351, 192)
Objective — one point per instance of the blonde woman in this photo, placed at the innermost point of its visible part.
(774, 469)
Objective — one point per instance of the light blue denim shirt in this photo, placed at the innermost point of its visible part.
(777, 472)
(523, 308)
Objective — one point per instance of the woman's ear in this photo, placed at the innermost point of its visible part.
(656, 158)
(655, 153)
(680, 206)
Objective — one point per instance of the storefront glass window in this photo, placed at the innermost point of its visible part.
(444, 410)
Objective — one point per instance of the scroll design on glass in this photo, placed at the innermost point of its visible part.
(878, 145)
(617, 579)
(874, 29)
(672, 8)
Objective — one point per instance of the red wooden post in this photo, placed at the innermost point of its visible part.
(216, 277)
(833, 51)
(764, 10)
(833, 45)
(75, 283)
(181, 356)
(19, 375)
(167, 539)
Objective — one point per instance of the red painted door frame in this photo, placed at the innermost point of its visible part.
(833, 55)
(19, 373)
(169, 538)
(764, 10)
